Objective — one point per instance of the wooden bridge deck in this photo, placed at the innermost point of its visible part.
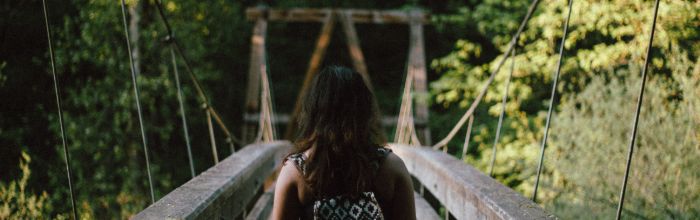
(235, 189)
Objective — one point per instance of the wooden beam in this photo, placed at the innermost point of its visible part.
(353, 43)
(257, 64)
(223, 191)
(416, 62)
(423, 209)
(263, 207)
(320, 15)
(324, 38)
(463, 190)
(282, 118)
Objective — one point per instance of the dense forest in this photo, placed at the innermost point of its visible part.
(604, 53)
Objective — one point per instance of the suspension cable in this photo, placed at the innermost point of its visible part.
(476, 102)
(465, 147)
(266, 131)
(551, 101)
(503, 112)
(405, 110)
(60, 111)
(230, 138)
(212, 138)
(138, 102)
(183, 116)
(633, 137)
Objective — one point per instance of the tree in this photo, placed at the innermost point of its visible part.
(605, 38)
(588, 153)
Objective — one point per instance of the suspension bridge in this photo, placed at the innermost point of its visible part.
(240, 186)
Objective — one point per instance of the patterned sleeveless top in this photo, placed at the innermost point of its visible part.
(364, 207)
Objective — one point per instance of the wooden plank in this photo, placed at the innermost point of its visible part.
(281, 118)
(320, 15)
(223, 191)
(263, 207)
(324, 38)
(257, 63)
(423, 209)
(416, 64)
(464, 191)
(353, 43)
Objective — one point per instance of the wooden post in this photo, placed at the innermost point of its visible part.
(324, 39)
(320, 15)
(347, 17)
(257, 64)
(353, 42)
(416, 62)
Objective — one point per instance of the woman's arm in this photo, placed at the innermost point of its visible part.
(402, 205)
(286, 203)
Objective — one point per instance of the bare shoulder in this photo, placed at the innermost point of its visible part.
(286, 200)
(400, 204)
(395, 165)
(289, 174)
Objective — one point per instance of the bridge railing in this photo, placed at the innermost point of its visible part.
(464, 191)
(233, 189)
(225, 191)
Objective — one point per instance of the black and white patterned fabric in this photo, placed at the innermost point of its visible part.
(363, 207)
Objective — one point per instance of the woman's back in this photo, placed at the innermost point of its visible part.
(338, 162)
(390, 197)
(362, 206)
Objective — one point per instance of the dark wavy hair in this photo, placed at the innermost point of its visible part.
(339, 117)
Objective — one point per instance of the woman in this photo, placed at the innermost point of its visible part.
(339, 168)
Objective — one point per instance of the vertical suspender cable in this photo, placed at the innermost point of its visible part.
(60, 112)
(465, 147)
(633, 138)
(183, 116)
(197, 86)
(405, 110)
(503, 111)
(551, 102)
(212, 138)
(138, 102)
(171, 40)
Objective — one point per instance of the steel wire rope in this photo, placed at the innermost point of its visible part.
(137, 99)
(405, 108)
(551, 101)
(467, 137)
(633, 137)
(69, 171)
(180, 101)
(266, 130)
(230, 138)
(503, 112)
(481, 94)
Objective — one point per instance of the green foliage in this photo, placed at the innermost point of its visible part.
(93, 71)
(664, 177)
(607, 40)
(17, 202)
(103, 133)
(99, 107)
